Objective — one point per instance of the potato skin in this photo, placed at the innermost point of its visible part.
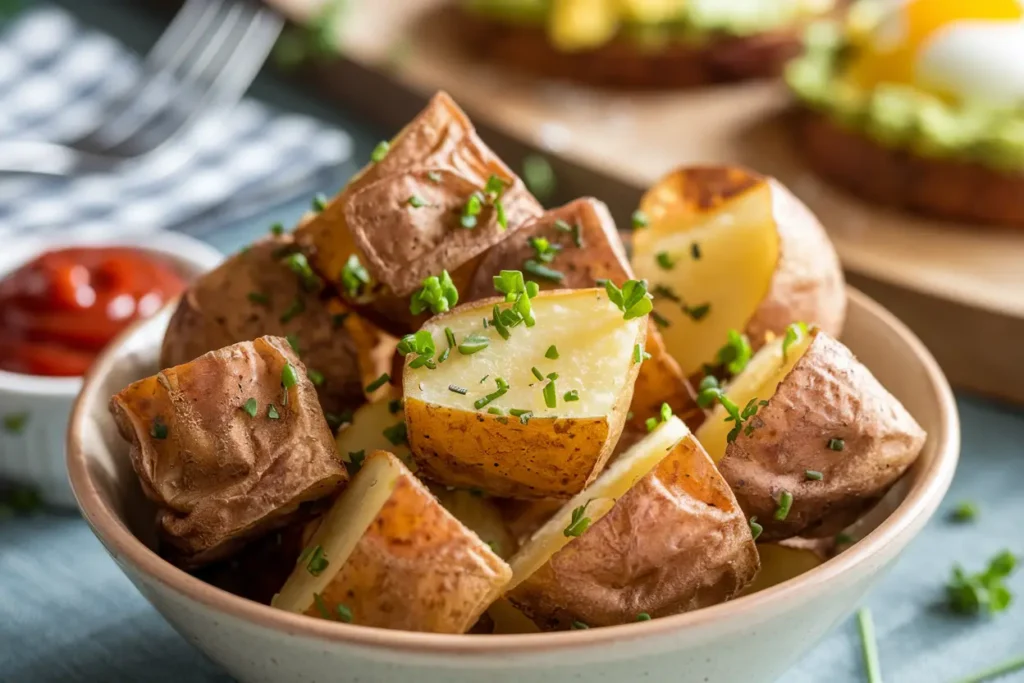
(829, 394)
(548, 457)
(676, 542)
(417, 568)
(602, 257)
(624, 64)
(403, 245)
(216, 311)
(221, 477)
(944, 188)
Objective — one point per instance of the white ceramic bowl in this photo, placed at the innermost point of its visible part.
(748, 640)
(34, 455)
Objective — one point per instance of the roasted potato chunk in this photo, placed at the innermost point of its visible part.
(388, 555)
(658, 533)
(484, 419)
(255, 293)
(787, 560)
(727, 249)
(228, 446)
(375, 426)
(828, 442)
(401, 217)
(584, 247)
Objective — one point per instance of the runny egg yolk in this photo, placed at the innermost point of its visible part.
(888, 53)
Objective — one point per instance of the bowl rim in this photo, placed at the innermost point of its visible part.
(921, 501)
(183, 251)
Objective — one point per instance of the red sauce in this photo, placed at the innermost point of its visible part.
(59, 311)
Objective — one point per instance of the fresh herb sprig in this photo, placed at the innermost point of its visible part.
(710, 391)
(985, 591)
(578, 522)
(735, 354)
(633, 299)
(437, 294)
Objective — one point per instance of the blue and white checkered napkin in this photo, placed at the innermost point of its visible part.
(55, 77)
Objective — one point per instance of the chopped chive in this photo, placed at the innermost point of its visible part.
(315, 376)
(394, 406)
(444, 355)
(578, 625)
(295, 308)
(695, 251)
(836, 444)
(251, 406)
(484, 379)
(562, 226)
(289, 378)
(272, 412)
(639, 355)
(499, 324)
(354, 276)
(813, 475)
(456, 389)
(537, 373)
(643, 616)
(380, 151)
(450, 336)
(784, 504)
(640, 219)
(495, 410)
(415, 202)
(578, 523)
(344, 613)
(497, 393)
(549, 394)
(997, 671)
(551, 353)
(317, 561)
(473, 343)
(651, 423)
(397, 434)
(577, 235)
(319, 202)
(964, 512)
(523, 415)
(573, 395)
(659, 319)
(434, 177)
(665, 260)
(158, 430)
(293, 341)
(540, 270)
(755, 528)
(843, 538)
(355, 461)
(666, 292)
(539, 176)
(869, 644)
(277, 229)
(697, 313)
(259, 298)
(499, 209)
(552, 375)
(378, 383)
(321, 607)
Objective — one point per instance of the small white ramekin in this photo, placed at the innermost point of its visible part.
(34, 454)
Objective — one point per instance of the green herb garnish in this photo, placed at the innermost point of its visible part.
(317, 561)
(293, 342)
(869, 645)
(550, 397)
(578, 625)
(538, 176)
(338, 320)
(259, 298)
(315, 376)
(665, 260)
(573, 395)
(997, 671)
(755, 529)
(736, 353)
(964, 512)
(378, 383)
(158, 430)
(321, 607)
(295, 308)
(544, 249)
(344, 613)
(380, 151)
(659, 320)
(422, 344)
(578, 523)
(794, 333)
(639, 355)
(354, 276)
(397, 433)
(355, 461)
(415, 202)
(813, 475)
(277, 229)
(456, 389)
(695, 251)
(319, 202)
(272, 412)
(394, 406)
(523, 415)
(640, 219)
(666, 293)
(836, 444)
(471, 210)
(783, 506)
(633, 299)
(497, 393)
(985, 591)
(540, 270)
(251, 406)
(709, 391)
(289, 378)
(438, 294)
(697, 313)
(473, 343)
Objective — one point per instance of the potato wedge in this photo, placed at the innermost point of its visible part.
(481, 515)
(455, 437)
(826, 415)
(388, 555)
(375, 426)
(589, 250)
(787, 560)
(438, 159)
(254, 293)
(210, 453)
(729, 249)
(666, 536)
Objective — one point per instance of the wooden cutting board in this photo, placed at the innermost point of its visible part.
(960, 287)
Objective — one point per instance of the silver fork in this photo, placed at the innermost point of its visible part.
(208, 55)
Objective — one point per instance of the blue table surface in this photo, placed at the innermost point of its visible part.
(68, 614)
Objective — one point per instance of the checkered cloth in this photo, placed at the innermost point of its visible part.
(56, 76)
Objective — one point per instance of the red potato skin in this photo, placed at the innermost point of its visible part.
(943, 188)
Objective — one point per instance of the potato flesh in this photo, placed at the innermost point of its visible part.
(366, 432)
(340, 530)
(479, 514)
(760, 379)
(739, 247)
(595, 347)
(781, 563)
(599, 497)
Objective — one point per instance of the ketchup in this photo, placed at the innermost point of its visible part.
(59, 311)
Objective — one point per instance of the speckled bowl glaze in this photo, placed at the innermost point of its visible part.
(750, 639)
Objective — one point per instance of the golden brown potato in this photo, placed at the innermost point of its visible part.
(401, 216)
(727, 249)
(480, 514)
(255, 293)
(376, 426)
(671, 539)
(211, 454)
(388, 555)
(462, 438)
(945, 188)
(628, 63)
(589, 250)
(830, 441)
(787, 560)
